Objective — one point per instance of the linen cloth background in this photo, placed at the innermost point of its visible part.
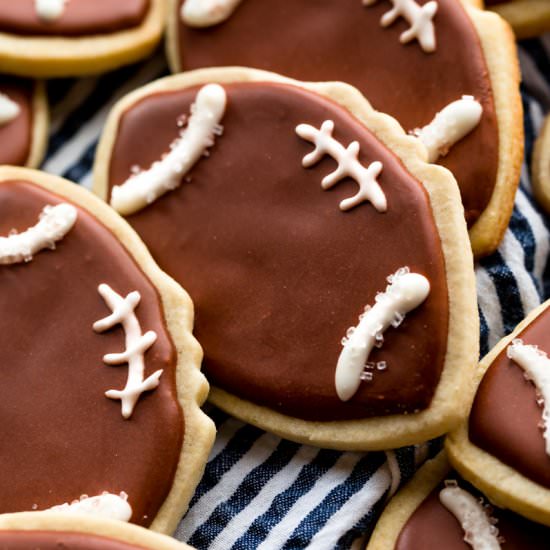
(260, 491)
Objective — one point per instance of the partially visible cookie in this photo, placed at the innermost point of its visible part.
(528, 17)
(438, 509)
(101, 385)
(23, 121)
(54, 38)
(540, 167)
(54, 531)
(328, 263)
(504, 446)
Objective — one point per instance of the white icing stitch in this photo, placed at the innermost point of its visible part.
(54, 223)
(405, 292)
(205, 13)
(420, 19)
(348, 165)
(50, 10)
(536, 365)
(9, 109)
(106, 505)
(136, 346)
(479, 529)
(165, 175)
(449, 126)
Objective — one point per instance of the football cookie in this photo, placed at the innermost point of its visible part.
(438, 509)
(540, 167)
(432, 65)
(52, 38)
(55, 531)
(527, 17)
(334, 290)
(101, 384)
(504, 446)
(23, 121)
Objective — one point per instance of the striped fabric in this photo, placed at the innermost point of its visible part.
(260, 491)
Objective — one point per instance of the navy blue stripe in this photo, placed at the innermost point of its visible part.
(217, 415)
(405, 459)
(58, 89)
(483, 335)
(507, 290)
(530, 134)
(334, 500)
(537, 53)
(282, 503)
(235, 449)
(83, 166)
(252, 484)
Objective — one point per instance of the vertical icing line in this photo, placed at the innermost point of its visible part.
(450, 125)
(536, 366)
(53, 224)
(123, 312)
(479, 528)
(50, 10)
(348, 165)
(166, 174)
(420, 19)
(206, 13)
(9, 109)
(405, 292)
(107, 505)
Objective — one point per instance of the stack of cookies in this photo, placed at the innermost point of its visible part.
(286, 226)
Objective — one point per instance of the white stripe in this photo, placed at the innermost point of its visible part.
(514, 256)
(227, 485)
(225, 433)
(69, 154)
(395, 472)
(87, 180)
(261, 503)
(537, 115)
(310, 500)
(356, 507)
(540, 234)
(490, 305)
(77, 94)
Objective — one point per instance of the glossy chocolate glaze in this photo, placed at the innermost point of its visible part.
(343, 40)
(59, 540)
(276, 271)
(62, 437)
(80, 18)
(505, 416)
(16, 136)
(433, 526)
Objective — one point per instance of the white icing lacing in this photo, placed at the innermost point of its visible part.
(420, 19)
(479, 528)
(136, 346)
(536, 365)
(348, 165)
(405, 292)
(54, 223)
(449, 126)
(165, 175)
(205, 13)
(107, 505)
(9, 109)
(50, 10)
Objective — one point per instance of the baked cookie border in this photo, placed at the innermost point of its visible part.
(540, 166)
(499, 49)
(47, 57)
(192, 387)
(452, 396)
(529, 18)
(403, 505)
(506, 484)
(89, 525)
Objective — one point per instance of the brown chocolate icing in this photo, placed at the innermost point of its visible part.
(433, 526)
(62, 437)
(505, 416)
(343, 40)
(58, 540)
(81, 17)
(276, 271)
(16, 135)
